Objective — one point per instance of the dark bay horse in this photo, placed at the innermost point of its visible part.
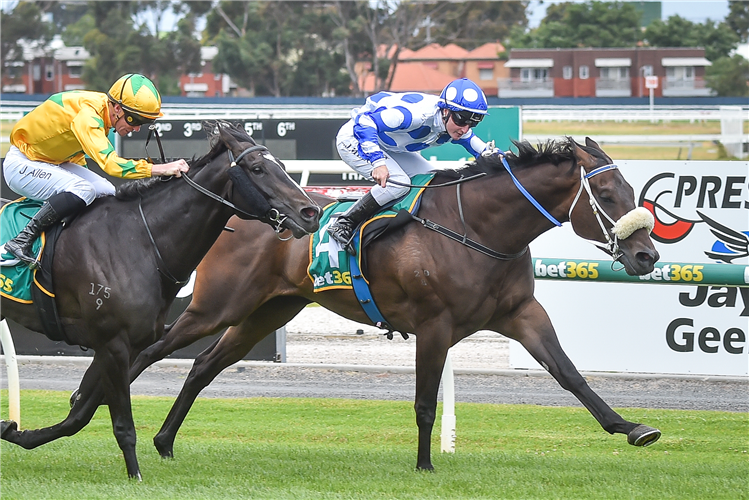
(423, 282)
(120, 264)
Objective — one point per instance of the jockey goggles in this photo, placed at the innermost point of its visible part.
(463, 118)
(136, 120)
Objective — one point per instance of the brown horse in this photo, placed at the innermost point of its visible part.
(114, 287)
(424, 283)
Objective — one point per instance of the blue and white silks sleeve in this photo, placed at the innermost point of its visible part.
(471, 143)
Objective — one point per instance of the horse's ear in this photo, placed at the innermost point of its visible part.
(227, 138)
(592, 144)
(583, 158)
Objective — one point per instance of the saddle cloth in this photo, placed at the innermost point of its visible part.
(17, 281)
(17, 277)
(329, 267)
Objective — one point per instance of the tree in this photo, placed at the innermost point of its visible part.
(738, 19)
(472, 24)
(127, 40)
(23, 23)
(717, 39)
(280, 48)
(728, 76)
(589, 24)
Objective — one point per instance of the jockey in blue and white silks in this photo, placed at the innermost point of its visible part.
(383, 139)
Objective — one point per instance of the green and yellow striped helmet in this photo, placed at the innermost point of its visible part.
(138, 97)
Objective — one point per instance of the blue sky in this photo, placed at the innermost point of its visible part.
(696, 11)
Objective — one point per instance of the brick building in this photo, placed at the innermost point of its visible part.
(611, 72)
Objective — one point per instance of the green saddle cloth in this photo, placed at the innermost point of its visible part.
(329, 267)
(16, 280)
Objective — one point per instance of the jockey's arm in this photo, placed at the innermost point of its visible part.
(472, 143)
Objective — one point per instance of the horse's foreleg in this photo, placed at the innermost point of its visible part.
(207, 366)
(117, 382)
(532, 328)
(431, 351)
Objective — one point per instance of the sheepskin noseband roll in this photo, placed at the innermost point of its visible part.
(639, 218)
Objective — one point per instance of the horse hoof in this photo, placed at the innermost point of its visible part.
(7, 426)
(166, 450)
(643, 435)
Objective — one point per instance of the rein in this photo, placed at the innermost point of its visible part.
(272, 216)
(463, 239)
(444, 184)
(160, 264)
(632, 220)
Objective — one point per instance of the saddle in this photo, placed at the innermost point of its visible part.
(331, 267)
(19, 282)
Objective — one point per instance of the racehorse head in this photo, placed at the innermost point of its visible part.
(604, 211)
(261, 187)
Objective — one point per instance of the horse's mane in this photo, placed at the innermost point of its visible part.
(139, 187)
(555, 152)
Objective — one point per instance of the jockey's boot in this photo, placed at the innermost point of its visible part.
(343, 229)
(55, 208)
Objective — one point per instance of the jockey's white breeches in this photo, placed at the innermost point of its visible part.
(39, 180)
(401, 166)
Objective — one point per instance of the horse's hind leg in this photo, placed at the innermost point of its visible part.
(188, 328)
(232, 347)
(532, 328)
(78, 417)
(96, 381)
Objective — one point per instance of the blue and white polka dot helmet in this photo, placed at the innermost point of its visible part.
(463, 95)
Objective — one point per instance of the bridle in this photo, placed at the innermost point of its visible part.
(612, 244)
(621, 229)
(239, 178)
(244, 185)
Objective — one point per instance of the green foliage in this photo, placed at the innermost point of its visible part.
(24, 22)
(589, 24)
(728, 76)
(340, 449)
(472, 24)
(717, 39)
(738, 19)
(279, 48)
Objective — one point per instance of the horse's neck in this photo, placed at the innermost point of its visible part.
(500, 215)
(185, 227)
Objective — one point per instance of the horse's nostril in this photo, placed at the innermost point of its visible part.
(310, 212)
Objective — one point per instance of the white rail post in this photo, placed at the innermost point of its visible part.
(14, 388)
(448, 407)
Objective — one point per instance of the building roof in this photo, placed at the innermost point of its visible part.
(413, 76)
(435, 52)
(489, 50)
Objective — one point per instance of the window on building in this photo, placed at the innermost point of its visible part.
(49, 72)
(486, 74)
(675, 73)
(567, 72)
(534, 74)
(75, 71)
(616, 74)
(36, 72)
(584, 72)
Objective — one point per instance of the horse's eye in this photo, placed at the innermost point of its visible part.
(606, 199)
(256, 170)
